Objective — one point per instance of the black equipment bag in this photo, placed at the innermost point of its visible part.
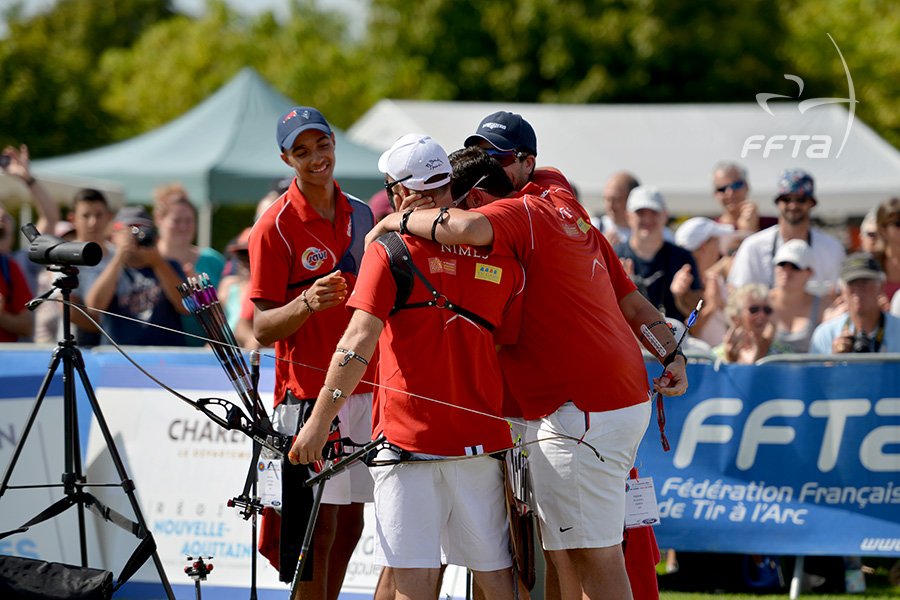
(31, 579)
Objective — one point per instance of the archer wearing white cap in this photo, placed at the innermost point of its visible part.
(439, 306)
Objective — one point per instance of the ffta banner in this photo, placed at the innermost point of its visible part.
(788, 458)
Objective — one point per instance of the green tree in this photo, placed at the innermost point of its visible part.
(179, 62)
(173, 66)
(49, 91)
(868, 35)
(575, 51)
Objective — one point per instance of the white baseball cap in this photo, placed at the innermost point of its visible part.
(417, 161)
(796, 252)
(694, 232)
(645, 197)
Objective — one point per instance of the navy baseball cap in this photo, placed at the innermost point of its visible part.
(505, 131)
(296, 121)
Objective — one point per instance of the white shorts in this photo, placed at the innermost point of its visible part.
(355, 416)
(579, 499)
(433, 512)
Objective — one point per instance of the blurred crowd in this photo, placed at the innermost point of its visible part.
(769, 285)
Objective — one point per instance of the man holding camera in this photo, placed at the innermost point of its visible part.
(140, 284)
(865, 327)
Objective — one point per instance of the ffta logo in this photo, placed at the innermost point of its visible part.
(816, 146)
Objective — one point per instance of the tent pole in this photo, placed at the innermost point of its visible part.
(204, 225)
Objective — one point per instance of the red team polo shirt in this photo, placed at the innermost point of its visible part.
(291, 242)
(436, 353)
(15, 297)
(575, 343)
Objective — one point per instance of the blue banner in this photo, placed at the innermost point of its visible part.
(787, 458)
(795, 459)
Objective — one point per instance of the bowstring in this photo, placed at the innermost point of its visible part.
(509, 420)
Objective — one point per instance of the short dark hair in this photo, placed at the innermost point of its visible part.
(472, 166)
(89, 195)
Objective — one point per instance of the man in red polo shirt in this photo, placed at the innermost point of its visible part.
(576, 368)
(444, 351)
(301, 273)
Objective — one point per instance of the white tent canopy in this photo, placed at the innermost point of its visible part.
(674, 147)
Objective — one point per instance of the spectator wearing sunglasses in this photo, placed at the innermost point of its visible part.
(795, 199)
(796, 312)
(731, 188)
(751, 334)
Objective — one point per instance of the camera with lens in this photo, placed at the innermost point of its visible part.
(861, 342)
(145, 235)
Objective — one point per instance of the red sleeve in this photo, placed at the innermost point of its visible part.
(511, 225)
(21, 292)
(621, 282)
(375, 290)
(270, 263)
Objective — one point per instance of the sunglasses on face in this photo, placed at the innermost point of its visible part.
(505, 157)
(389, 188)
(733, 186)
(755, 309)
(788, 265)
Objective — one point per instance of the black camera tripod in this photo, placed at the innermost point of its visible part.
(73, 479)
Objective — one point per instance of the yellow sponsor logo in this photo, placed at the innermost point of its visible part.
(583, 226)
(488, 273)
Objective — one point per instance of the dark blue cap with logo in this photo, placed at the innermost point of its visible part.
(296, 121)
(505, 131)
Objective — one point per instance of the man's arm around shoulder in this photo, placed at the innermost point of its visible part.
(456, 226)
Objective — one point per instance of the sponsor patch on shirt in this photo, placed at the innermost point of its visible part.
(571, 230)
(441, 265)
(583, 226)
(313, 257)
(488, 273)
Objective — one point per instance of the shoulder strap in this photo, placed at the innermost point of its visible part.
(399, 260)
(403, 269)
(361, 222)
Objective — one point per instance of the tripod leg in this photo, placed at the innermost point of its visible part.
(127, 484)
(73, 475)
(45, 385)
